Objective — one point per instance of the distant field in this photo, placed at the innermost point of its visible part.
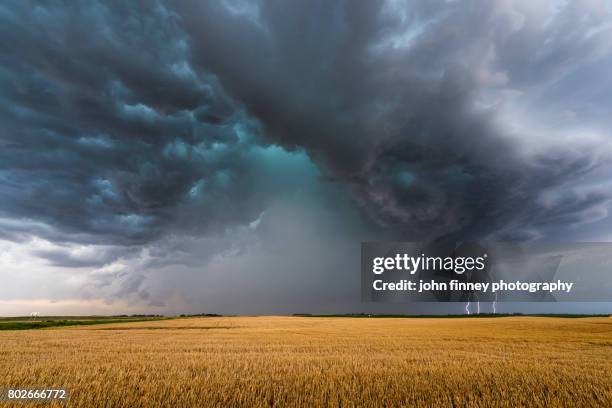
(25, 323)
(319, 361)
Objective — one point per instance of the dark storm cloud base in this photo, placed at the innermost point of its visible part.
(123, 123)
(141, 140)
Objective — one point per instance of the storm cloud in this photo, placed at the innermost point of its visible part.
(166, 134)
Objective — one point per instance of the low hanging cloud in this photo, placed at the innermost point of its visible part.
(409, 104)
(135, 127)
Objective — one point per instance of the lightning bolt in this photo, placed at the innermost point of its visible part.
(495, 304)
(467, 307)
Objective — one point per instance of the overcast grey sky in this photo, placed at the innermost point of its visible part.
(230, 156)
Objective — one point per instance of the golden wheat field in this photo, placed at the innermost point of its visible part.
(311, 361)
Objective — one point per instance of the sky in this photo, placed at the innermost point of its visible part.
(230, 156)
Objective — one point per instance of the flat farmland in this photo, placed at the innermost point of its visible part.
(318, 361)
